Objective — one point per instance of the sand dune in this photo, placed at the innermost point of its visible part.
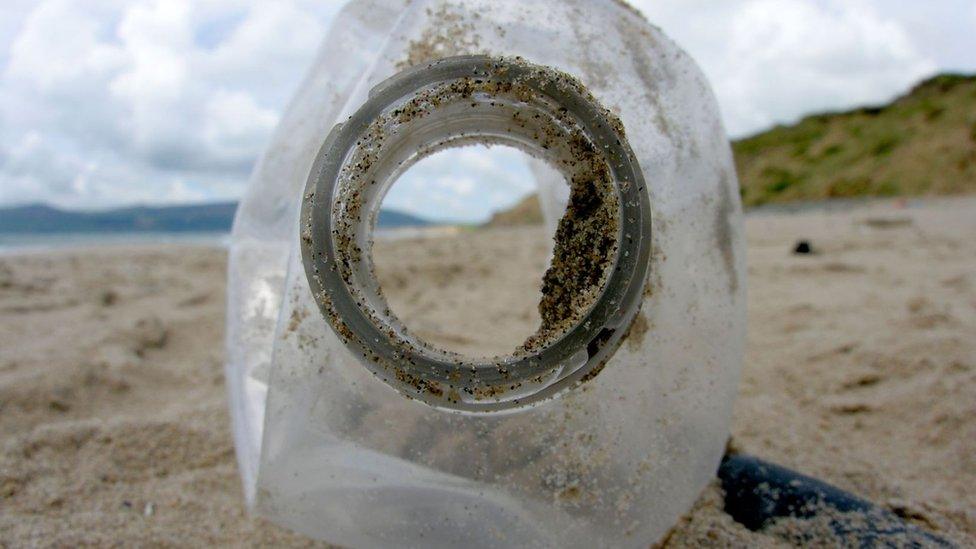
(861, 370)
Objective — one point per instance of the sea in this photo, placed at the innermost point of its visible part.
(15, 243)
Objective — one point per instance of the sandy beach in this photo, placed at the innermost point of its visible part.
(860, 370)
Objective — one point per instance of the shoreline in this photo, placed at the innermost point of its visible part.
(19, 243)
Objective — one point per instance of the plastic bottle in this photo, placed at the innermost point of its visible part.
(604, 427)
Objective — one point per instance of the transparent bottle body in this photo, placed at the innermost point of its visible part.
(329, 450)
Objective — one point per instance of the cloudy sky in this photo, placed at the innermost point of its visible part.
(104, 103)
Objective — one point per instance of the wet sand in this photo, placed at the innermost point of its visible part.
(860, 370)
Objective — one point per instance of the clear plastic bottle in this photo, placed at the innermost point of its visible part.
(603, 428)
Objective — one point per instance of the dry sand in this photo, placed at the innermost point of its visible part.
(860, 370)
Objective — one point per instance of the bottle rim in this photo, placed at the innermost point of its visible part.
(357, 163)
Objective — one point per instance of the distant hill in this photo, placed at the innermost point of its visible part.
(526, 212)
(216, 217)
(923, 143)
(39, 218)
(393, 219)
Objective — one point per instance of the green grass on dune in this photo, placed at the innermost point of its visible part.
(923, 143)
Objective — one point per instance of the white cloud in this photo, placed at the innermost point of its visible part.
(160, 101)
(48, 64)
(773, 60)
(235, 125)
(468, 183)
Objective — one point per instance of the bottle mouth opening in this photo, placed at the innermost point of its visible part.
(594, 284)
